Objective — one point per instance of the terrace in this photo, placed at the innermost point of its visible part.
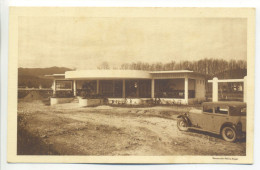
(132, 86)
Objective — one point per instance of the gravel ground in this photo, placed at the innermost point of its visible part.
(66, 129)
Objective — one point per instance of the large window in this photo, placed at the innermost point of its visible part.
(118, 88)
(145, 88)
(111, 88)
(138, 88)
(169, 88)
(174, 88)
(63, 85)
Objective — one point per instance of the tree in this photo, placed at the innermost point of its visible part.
(104, 66)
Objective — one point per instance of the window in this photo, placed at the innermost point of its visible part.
(63, 85)
(237, 111)
(111, 88)
(169, 88)
(221, 110)
(208, 109)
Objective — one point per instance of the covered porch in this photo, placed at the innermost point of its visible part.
(134, 87)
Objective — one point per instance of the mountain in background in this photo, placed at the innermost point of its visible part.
(35, 77)
(42, 71)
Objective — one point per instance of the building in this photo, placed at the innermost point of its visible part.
(180, 86)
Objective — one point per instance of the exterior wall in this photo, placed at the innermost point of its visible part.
(192, 84)
(60, 100)
(200, 91)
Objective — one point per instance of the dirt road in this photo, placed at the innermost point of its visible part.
(66, 129)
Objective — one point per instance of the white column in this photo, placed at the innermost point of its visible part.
(245, 89)
(215, 89)
(186, 89)
(152, 88)
(97, 86)
(123, 92)
(74, 88)
(54, 87)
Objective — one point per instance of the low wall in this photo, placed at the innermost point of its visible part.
(61, 100)
(168, 101)
(90, 102)
(146, 101)
(129, 101)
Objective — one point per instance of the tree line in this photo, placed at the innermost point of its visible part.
(206, 66)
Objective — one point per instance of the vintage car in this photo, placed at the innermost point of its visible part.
(224, 118)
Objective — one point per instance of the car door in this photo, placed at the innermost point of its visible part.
(219, 117)
(203, 120)
(208, 123)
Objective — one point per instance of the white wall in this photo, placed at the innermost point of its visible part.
(200, 89)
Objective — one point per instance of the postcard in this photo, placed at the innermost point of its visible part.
(131, 85)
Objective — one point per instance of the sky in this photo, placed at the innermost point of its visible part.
(86, 42)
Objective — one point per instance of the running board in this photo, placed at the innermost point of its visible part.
(200, 129)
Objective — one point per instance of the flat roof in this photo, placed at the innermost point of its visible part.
(55, 75)
(121, 74)
(107, 74)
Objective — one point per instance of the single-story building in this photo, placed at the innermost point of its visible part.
(179, 86)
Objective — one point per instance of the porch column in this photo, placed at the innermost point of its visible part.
(245, 89)
(54, 87)
(215, 89)
(152, 88)
(113, 88)
(74, 88)
(123, 92)
(186, 89)
(97, 86)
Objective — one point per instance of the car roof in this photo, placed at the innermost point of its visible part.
(226, 103)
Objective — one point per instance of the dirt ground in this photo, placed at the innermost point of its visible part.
(67, 129)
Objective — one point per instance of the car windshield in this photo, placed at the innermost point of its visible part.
(237, 111)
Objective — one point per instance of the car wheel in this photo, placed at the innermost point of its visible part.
(229, 134)
(182, 124)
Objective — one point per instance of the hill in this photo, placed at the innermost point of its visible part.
(34, 77)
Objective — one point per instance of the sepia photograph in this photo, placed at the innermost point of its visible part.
(119, 85)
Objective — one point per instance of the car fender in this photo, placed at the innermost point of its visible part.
(185, 117)
(228, 124)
